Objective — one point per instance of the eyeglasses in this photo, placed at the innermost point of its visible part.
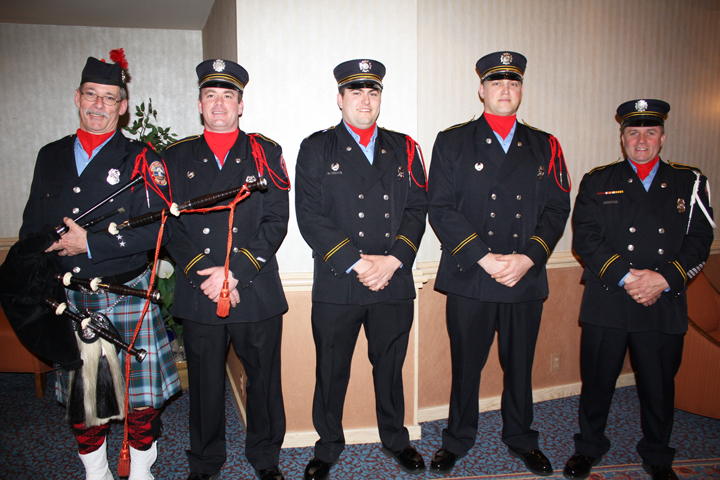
(92, 97)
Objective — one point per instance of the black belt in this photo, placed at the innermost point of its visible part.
(121, 278)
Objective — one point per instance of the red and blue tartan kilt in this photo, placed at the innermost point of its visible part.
(153, 381)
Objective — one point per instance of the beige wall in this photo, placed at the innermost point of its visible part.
(40, 67)
(219, 36)
(584, 58)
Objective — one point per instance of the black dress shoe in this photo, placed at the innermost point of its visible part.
(204, 476)
(535, 461)
(273, 473)
(408, 459)
(444, 460)
(660, 472)
(316, 469)
(578, 466)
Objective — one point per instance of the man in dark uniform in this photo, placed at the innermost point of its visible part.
(222, 158)
(71, 176)
(361, 206)
(499, 200)
(643, 228)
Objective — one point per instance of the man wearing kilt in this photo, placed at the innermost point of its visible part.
(71, 176)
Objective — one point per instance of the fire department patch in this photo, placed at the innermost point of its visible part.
(158, 173)
(284, 167)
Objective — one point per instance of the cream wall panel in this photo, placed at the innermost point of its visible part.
(290, 49)
(584, 59)
(40, 67)
(219, 35)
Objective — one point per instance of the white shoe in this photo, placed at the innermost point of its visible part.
(141, 461)
(96, 464)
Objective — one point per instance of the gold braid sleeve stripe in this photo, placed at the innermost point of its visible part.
(680, 269)
(607, 264)
(463, 243)
(541, 242)
(406, 240)
(193, 262)
(252, 259)
(338, 247)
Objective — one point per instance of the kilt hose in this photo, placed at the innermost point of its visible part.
(156, 379)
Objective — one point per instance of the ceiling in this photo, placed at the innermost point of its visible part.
(163, 14)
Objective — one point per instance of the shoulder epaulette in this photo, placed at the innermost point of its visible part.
(265, 138)
(459, 124)
(602, 167)
(320, 131)
(534, 128)
(680, 166)
(183, 140)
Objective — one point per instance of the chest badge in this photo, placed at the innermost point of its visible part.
(113, 176)
(479, 166)
(335, 167)
(681, 205)
(401, 173)
(541, 172)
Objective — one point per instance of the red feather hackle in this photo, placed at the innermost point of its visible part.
(118, 56)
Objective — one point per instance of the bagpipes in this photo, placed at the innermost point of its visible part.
(198, 205)
(27, 277)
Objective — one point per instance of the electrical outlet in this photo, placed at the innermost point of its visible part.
(555, 362)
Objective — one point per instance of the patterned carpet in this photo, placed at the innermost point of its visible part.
(37, 444)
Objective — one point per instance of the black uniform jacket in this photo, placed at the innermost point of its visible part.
(199, 241)
(57, 191)
(346, 207)
(483, 200)
(618, 226)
